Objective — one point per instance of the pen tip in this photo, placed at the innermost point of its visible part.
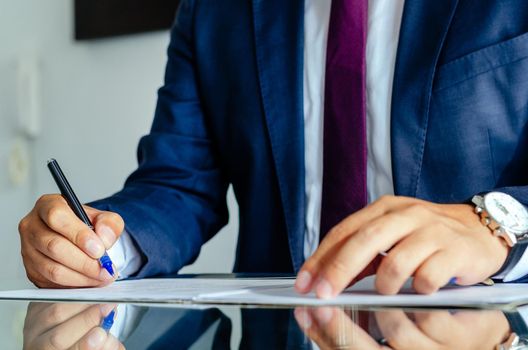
(51, 160)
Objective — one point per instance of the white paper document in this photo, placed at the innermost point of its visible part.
(272, 292)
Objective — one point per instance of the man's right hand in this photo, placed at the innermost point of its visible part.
(68, 326)
(60, 251)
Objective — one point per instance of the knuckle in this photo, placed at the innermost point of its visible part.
(386, 198)
(366, 234)
(395, 333)
(336, 231)
(82, 236)
(428, 322)
(55, 314)
(31, 278)
(417, 210)
(38, 283)
(92, 317)
(54, 247)
(338, 266)
(23, 254)
(45, 199)
(23, 225)
(55, 273)
(424, 283)
(55, 340)
(42, 199)
(393, 267)
(117, 219)
(56, 216)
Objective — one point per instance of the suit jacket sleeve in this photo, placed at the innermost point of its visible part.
(175, 201)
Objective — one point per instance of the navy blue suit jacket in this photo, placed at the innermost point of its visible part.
(231, 112)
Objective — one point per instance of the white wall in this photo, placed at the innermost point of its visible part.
(97, 99)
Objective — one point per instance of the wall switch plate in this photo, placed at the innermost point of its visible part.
(29, 95)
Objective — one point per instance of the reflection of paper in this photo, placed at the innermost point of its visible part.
(272, 292)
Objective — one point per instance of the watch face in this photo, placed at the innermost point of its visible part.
(507, 212)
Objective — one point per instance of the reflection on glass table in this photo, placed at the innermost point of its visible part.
(127, 326)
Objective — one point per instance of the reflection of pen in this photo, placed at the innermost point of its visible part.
(76, 206)
(108, 321)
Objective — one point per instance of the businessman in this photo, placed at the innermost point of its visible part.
(368, 126)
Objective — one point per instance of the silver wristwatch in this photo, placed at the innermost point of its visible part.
(504, 215)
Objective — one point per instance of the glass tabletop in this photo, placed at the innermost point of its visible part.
(35, 325)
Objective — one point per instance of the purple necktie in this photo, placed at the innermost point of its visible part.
(345, 146)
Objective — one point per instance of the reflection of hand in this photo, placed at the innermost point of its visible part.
(331, 328)
(431, 242)
(68, 326)
(443, 330)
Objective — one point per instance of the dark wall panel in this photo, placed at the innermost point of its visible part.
(105, 18)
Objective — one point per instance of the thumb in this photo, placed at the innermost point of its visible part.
(108, 225)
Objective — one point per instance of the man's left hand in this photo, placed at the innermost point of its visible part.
(434, 243)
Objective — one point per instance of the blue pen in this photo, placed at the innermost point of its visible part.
(76, 206)
(108, 321)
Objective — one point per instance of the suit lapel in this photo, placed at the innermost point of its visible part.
(424, 28)
(279, 42)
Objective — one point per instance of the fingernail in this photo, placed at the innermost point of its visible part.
(105, 276)
(323, 290)
(107, 235)
(96, 338)
(303, 318)
(323, 315)
(94, 248)
(303, 281)
(452, 280)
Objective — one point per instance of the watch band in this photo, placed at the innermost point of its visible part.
(513, 258)
(517, 324)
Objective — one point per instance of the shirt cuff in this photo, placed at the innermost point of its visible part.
(516, 271)
(126, 256)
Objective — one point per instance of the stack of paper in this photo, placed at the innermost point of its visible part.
(272, 292)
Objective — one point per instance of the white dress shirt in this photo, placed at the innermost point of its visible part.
(384, 22)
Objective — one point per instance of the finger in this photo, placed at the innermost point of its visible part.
(335, 272)
(59, 217)
(436, 271)
(61, 275)
(93, 340)
(401, 333)
(331, 328)
(404, 259)
(66, 253)
(98, 339)
(40, 281)
(111, 343)
(487, 328)
(439, 325)
(50, 316)
(108, 225)
(31, 272)
(66, 334)
(340, 233)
